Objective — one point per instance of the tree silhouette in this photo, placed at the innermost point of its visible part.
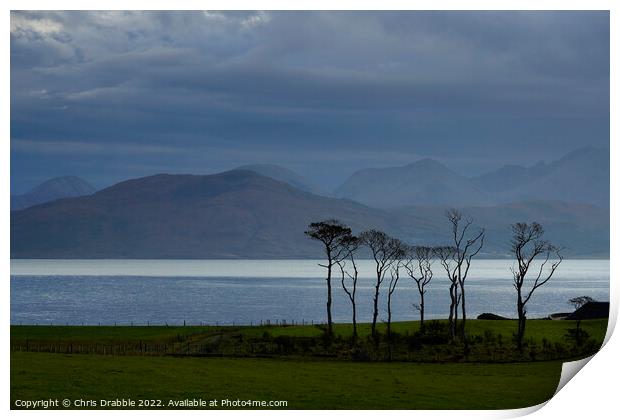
(331, 234)
(527, 246)
(349, 273)
(384, 253)
(400, 251)
(419, 266)
(446, 255)
(465, 249)
(577, 303)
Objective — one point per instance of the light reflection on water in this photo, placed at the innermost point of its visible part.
(89, 292)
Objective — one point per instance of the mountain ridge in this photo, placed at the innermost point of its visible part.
(283, 174)
(231, 214)
(242, 214)
(52, 189)
(425, 181)
(579, 176)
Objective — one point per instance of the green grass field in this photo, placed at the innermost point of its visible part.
(536, 330)
(304, 382)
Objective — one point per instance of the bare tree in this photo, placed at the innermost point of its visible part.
(527, 246)
(579, 301)
(330, 233)
(466, 248)
(419, 266)
(349, 273)
(446, 257)
(384, 254)
(400, 251)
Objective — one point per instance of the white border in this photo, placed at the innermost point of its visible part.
(591, 395)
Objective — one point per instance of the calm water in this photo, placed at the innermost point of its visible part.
(248, 291)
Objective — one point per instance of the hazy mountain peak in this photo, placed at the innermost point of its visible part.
(423, 182)
(165, 187)
(68, 184)
(283, 174)
(427, 163)
(581, 176)
(52, 189)
(589, 154)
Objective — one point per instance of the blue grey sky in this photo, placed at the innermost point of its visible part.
(113, 95)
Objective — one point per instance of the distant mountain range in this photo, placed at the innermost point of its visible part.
(579, 177)
(233, 214)
(53, 189)
(280, 173)
(425, 182)
(243, 214)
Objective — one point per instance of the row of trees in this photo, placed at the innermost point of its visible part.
(392, 258)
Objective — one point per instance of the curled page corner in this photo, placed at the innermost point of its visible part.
(522, 412)
(570, 369)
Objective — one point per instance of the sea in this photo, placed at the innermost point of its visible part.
(250, 292)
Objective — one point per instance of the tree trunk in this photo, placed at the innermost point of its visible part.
(451, 316)
(463, 311)
(521, 324)
(422, 312)
(354, 321)
(456, 314)
(389, 320)
(454, 310)
(375, 312)
(329, 297)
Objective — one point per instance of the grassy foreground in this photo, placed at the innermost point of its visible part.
(168, 363)
(303, 384)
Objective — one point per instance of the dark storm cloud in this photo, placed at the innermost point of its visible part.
(109, 95)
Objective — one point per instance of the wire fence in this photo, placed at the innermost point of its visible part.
(260, 323)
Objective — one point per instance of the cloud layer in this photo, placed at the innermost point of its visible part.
(109, 95)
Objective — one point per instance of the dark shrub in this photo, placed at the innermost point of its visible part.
(361, 353)
(285, 344)
(576, 336)
(435, 332)
(489, 337)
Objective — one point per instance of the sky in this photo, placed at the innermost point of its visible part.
(109, 96)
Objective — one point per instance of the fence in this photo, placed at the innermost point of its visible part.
(261, 323)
